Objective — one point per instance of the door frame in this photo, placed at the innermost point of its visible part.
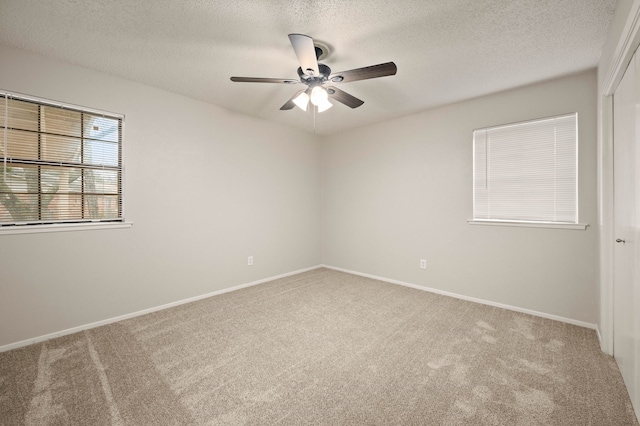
(627, 44)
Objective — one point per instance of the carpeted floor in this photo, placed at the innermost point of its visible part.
(322, 347)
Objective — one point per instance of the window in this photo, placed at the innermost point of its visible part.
(527, 172)
(59, 163)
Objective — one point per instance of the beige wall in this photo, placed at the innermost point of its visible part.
(385, 196)
(401, 190)
(204, 187)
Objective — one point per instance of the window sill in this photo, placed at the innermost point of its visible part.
(63, 227)
(575, 226)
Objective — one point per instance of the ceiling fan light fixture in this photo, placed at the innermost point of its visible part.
(320, 98)
(324, 105)
(301, 101)
(319, 95)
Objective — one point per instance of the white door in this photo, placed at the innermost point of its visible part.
(626, 320)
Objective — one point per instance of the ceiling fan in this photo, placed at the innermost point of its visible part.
(318, 77)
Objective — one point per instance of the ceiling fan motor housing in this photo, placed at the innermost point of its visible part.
(314, 80)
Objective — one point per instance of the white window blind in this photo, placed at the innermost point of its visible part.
(527, 171)
(60, 163)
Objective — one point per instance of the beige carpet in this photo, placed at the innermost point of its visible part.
(322, 347)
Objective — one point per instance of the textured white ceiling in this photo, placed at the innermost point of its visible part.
(445, 50)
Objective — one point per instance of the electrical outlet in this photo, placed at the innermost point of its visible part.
(423, 263)
(250, 260)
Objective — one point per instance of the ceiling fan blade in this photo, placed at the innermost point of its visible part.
(290, 104)
(373, 71)
(263, 80)
(306, 53)
(344, 97)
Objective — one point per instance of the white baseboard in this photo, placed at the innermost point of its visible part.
(599, 336)
(89, 326)
(72, 330)
(472, 299)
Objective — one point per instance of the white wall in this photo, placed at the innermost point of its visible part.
(204, 188)
(401, 190)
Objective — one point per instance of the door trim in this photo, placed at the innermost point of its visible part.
(627, 45)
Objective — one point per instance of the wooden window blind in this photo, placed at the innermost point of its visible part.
(527, 171)
(59, 163)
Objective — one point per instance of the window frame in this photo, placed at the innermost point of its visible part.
(520, 222)
(60, 225)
